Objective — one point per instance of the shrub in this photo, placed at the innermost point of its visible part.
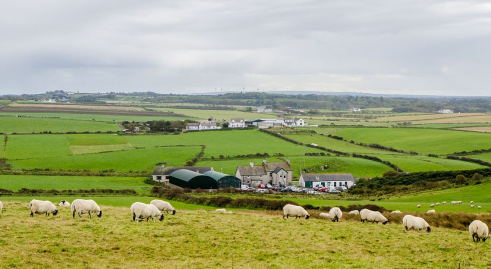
(390, 173)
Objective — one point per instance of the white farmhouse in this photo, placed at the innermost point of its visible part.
(445, 111)
(326, 180)
(355, 109)
(236, 123)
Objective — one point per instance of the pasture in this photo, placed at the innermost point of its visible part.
(204, 114)
(89, 117)
(10, 125)
(204, 239)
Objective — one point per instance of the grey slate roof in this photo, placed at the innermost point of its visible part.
(236, 119)
(270, 167)
(247, 170)
(327, 177)
(159, 170)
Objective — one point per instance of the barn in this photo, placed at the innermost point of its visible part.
(224, 180)
(193, 180)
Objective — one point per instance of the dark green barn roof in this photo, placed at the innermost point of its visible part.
(189, 179)
(224, 180)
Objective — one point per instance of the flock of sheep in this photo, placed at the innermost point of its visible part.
(443, 203)
(478, 229)
(156, 209)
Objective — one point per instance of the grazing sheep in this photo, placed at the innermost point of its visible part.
(335, 214)
(372, 216)
(453, 202)
(415, 223)
(324, 215)
(40, 207)
(479, 230)
(478, 207)
(418, 206)
(432, 205)
(354, 212)
(223, 210)
(295, 210)
(444, 202)
(431, 211)
(144, 211)
(471, 202)
(1, 206)
(396, 212)
(64, 203)
(459, 202)
(472, 206)
(85, 206)
(163, 206)
(437, 204)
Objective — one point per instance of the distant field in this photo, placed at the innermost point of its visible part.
(14, 183)
(29, 125)
(481, 129)
(90, 117)
(440, 118)
(36, 147)
(72, 106)
(218, 114)
(420, 140)
(410, 163)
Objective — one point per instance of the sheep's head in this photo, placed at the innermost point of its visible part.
(307, 217)
(385, 222)
(55, 212)
(62, 203)
(173, 212)
(428, 229)
(161, 217)
(99, 214)
(484, 239)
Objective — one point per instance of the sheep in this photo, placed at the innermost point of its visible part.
(478, 207)
(1, 206)
(472, 206)
(223, 210)
(437, 204)
(85, 206)
(432, 205)
(396, 212)
(324, 215)
(415, 223)
(354, 212)
(444, 202)
(459, 202)
(144, 211)
(39, 207)
(431, 211)
(479, 230)
(64, 203)
(295, 210)
(372, 216)
(335, 214)
(471, 202)
(418, 206)
(163, 206)
(453, 202)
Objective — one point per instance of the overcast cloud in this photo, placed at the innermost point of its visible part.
(381, 46)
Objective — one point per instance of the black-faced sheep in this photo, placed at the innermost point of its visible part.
(479, 230)
(415, 223)
(40, 207)
(163, 206)
(372, 216)
(145, 211)
(296, 211)
(335, 214)
(81, 206)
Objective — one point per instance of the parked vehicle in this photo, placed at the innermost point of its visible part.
(244, 187)
(261, 186)
(262, 191)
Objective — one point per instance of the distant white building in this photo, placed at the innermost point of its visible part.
(236, 123)
(263, 109)
(355, 109)
(205, 125)
(295, 122)
(326, 180)
(445, 111)
(267, 123)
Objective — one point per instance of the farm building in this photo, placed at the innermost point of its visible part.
(161, 173)
(326, 180)
(224, 180)
(189, 179)
(236, 123)
(277, 173)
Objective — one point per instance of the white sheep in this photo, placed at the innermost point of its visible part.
(459, 202)
(64, 203)
(479, 207)
(324, 215)
(1, 206)
(437, 204)
(444, 202)
(335, 214)
(354, 212)
(396, 212)
(472, 206)
(372, 216)
(418, 206)
(163, 206)
(295, 210)
(82, 206)
(479, 230)
(40, 207)
(144, 211)
(431, 211)
(453, 202)
(415, 223)
(432, 205)
(471, 202)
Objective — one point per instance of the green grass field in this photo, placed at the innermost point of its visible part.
(36, 146)
(89, 117)
(409, 163)
(424, 141)
(204, 239)
(16, 182)
(29, 125)
(218, 114)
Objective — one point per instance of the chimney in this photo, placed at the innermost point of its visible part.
(252, 164)
(264, 162)
(288, 162)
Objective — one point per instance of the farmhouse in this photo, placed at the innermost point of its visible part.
(204, 125)
(295, 122)
(355, 109)
(224, 180)
(263, 109)
(277, 173)
(161, 173)
(189, 179)
(445, 111)
(236, 123)
(326, 180)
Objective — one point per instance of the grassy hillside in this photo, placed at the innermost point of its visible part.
(36, 146)
(424, 141)
(37, 125)
(204, 239)
(89, 117)
(409, 163)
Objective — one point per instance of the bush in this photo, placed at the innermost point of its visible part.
(390, 173)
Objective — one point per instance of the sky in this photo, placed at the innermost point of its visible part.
(377, 46)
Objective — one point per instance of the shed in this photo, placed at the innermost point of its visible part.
(189, 179)
(224, 180)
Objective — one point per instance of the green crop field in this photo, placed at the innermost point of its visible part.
(29, 125)
(218, 114)
(89, 117)
(409, 163)
(204, 239)
(36, 146)
(424, 141)
(16, 182)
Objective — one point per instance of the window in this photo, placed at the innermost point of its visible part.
(334, 184)
(159, 177)
(346, 183)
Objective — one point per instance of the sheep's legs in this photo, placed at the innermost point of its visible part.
(73, 214)
(90, 215)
